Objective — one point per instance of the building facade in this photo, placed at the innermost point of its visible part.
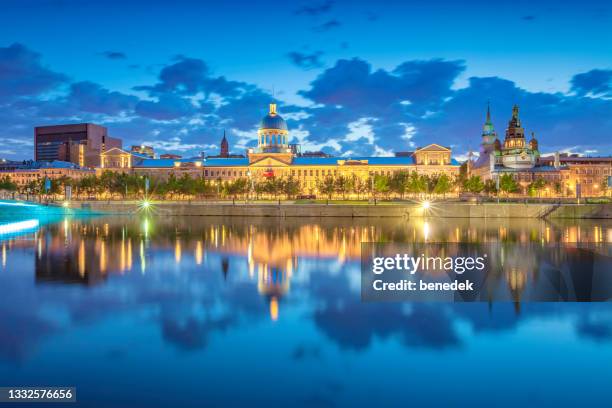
(589, 175)
(80, 143)
(37, 171)
(275, 157)
(515, 156)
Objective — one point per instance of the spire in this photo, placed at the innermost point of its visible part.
(488, 121)
(272, 109)
(224, 146)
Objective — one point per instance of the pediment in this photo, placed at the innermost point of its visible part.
(433, 148)
(269, 162)
(115, 150)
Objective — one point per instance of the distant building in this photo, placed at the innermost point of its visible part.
(143, 150)
(36, 171)
(590, 173)
(80, 143)
(170, 156)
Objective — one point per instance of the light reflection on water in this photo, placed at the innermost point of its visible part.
(230, 311)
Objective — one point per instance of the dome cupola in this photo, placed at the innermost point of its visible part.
(273, 134)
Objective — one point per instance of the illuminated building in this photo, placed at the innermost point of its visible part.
(275, 157)
(515, 156)
(80, 143)
(590, 173)
(37, 171)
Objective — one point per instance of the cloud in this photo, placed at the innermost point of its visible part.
(352, 108)
(352, 90)
(188, 76)
(315, 9)
(175, 144)
(90, 97)
(114, 55)
(328, 25)
(306, 61)
(597, 82)
(22, 73)
(166, 107)
(528, 18)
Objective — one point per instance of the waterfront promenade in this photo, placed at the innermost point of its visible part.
(441, 209)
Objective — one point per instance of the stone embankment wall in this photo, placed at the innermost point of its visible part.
(443, 210)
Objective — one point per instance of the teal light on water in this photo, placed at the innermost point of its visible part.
(16, 204)
(19, 226)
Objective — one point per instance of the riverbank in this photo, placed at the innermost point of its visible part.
(288, 209)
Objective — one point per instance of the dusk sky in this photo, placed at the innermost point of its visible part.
(351, 77)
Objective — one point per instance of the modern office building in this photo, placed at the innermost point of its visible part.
(80, 143)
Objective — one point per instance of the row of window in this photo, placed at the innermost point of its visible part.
(295, 173)
(595, 171)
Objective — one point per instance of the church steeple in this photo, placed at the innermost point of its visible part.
(488, 131)
(224, 146)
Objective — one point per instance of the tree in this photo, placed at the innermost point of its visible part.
(490, 187)
(535, 187)
(360, 186)
(507, 184)
(237, 187)
(397, 184)
(443, 185)
(416, 183)
(291, 187)
(7, 184)
(343, 185)
(381, 184)
(474, 184)
(327, 186)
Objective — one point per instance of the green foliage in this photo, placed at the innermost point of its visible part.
(327, 186)
(7, 184)
(507, 184)
(381, 184)
(490, 187)
(474, 184)
(416, 183)
(443, 185)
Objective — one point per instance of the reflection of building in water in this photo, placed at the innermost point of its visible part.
(88, 251)
(273, 283)
(76, 253)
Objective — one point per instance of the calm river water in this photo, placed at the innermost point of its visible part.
(193, 312)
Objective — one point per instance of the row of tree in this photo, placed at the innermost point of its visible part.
(110, 185)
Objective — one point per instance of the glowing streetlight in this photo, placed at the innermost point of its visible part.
(425, 205)
(66, 204)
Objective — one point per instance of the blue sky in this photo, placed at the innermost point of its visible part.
(351, 77)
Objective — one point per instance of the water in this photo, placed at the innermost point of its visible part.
(158, 312)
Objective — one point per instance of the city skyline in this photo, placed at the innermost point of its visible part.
(352, 79)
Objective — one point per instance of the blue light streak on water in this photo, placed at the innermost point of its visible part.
(19, 226)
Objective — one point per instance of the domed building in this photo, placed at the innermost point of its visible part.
(515, 152)
(513, 156)
(273, 134)
(275, 157)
